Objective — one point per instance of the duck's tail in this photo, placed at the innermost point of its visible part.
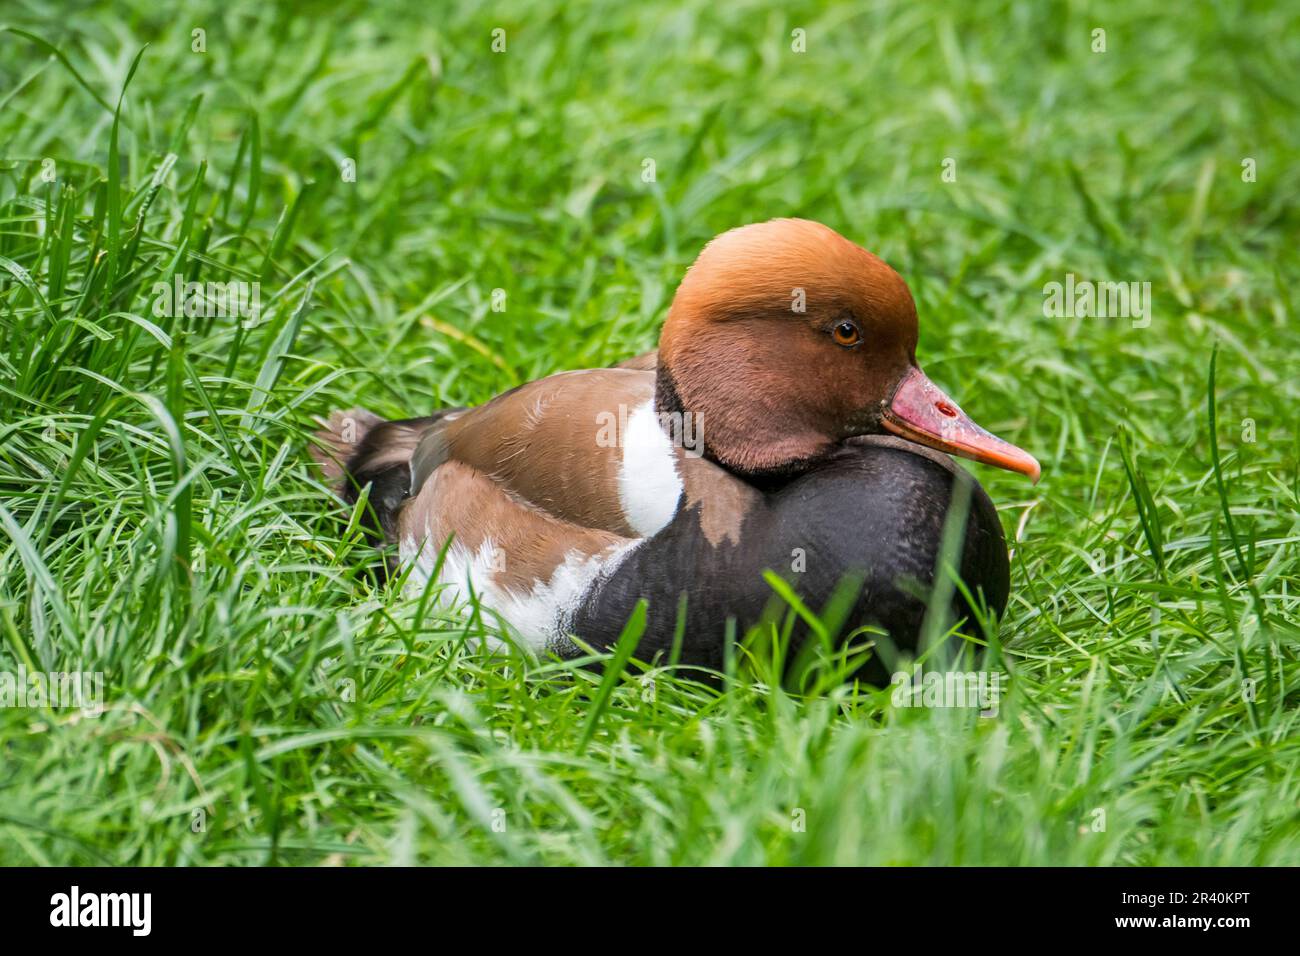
(356, 448)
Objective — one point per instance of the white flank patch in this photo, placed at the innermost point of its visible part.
(542, 616)
(648, 484)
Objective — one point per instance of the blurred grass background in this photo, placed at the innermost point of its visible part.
(266, 702)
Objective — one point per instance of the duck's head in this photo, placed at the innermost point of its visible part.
(785, 338)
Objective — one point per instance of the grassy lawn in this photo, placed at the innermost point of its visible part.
(380, 171)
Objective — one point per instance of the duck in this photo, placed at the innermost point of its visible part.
(782, 425)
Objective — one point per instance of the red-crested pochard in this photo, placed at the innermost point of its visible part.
(783, 424)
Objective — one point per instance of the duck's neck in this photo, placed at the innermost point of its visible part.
(734, 439)
(667, 399)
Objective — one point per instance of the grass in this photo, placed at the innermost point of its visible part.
(267, 702)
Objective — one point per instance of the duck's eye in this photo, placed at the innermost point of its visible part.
(846, 334)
